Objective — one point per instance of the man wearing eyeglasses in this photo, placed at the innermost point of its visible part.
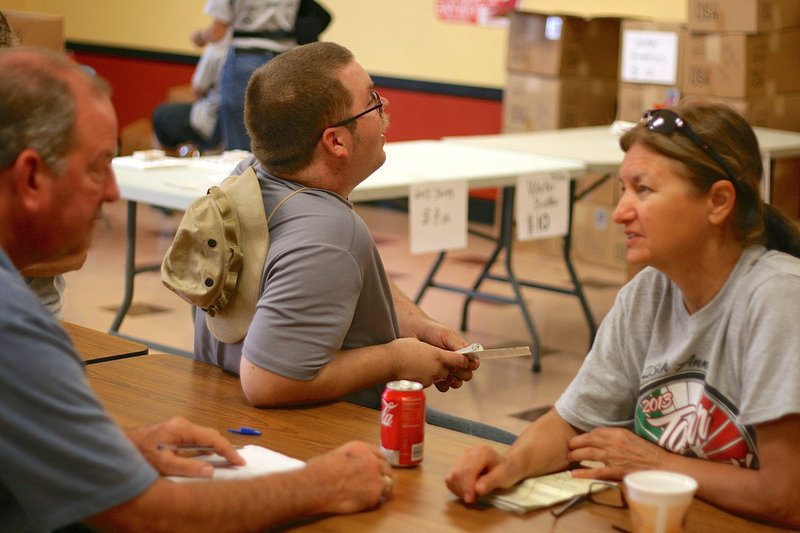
(328, 323)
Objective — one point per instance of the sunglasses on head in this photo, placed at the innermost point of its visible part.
(666, 122)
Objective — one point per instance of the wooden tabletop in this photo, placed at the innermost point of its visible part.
(96, 346)
(151, 388)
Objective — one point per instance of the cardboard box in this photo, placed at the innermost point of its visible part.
(605, 191)
(633, 99)
(595, 236)
(532, 102)
(651, 52)
(550, 246)
(780, 111)
(739, 65)
(651, 67)
(37, 29)
(555, 45)
(786, 187)
(599, 188)
(749, 16)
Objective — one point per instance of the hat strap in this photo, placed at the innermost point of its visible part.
(284, 199)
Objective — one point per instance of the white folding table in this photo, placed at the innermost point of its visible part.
(598, 147)
(407, 163)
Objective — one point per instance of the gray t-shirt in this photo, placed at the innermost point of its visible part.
(696, 384)
(62, 458)
(324, 288)
(257, 16)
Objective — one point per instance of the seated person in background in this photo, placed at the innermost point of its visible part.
(693, 370)
(328, 324)
(49, 289)
(62, 459)
(195, 123)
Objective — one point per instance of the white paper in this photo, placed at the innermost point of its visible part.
(542, 206)
(438, 216)
(649, 57)
(260, 462)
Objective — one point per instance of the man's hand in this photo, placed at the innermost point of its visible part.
(419, 361)
(354, 476)
(179, 431)
(441, 336)
(479, 471)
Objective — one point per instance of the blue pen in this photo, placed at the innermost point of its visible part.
(245, 431)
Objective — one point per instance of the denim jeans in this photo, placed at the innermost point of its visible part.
(239, 66)
(172, 127)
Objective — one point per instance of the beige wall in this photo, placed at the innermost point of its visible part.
(395, 38)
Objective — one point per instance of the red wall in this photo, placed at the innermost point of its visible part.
(140, 85)
(418, 115)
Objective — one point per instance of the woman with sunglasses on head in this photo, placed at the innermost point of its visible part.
(693, 370)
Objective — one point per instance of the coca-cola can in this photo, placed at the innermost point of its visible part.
(403, 422)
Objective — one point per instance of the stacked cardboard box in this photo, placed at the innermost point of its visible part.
(561, 72)
(37, 29)
(649, 77)
(650, 67)
(746, 53)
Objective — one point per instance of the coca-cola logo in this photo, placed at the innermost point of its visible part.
(386, 413)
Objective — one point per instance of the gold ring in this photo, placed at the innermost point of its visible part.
(388, 485)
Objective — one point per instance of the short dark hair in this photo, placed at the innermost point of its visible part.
(37, 104)
(729, 134)
(291, 100)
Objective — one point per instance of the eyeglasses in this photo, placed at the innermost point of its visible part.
(667, 122)
(374, 97)
(615, 498)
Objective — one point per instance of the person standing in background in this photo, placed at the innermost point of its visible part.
(262, 29)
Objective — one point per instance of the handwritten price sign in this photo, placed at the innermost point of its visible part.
(438, 216)
(542, 206)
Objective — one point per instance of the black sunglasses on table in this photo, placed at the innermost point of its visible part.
(667, 122)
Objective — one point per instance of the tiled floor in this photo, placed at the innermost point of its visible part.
(500, 389)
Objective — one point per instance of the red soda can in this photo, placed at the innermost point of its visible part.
(403, 422)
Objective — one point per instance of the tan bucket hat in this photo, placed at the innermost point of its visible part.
(217, 257)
